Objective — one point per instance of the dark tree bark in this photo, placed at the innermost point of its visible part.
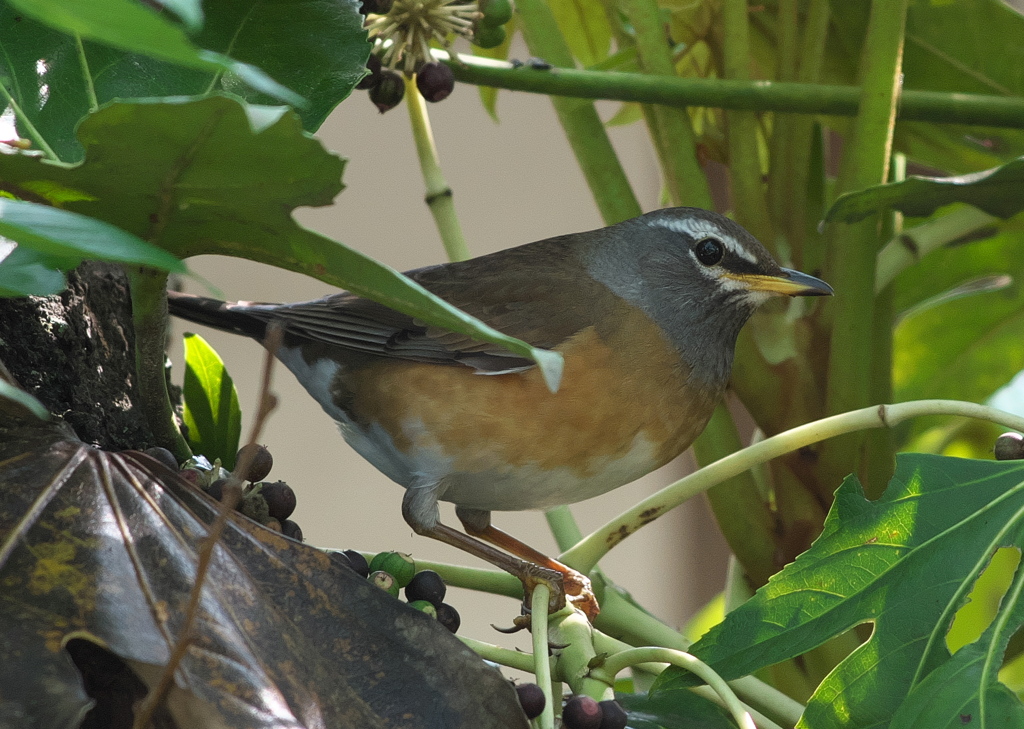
(75, 353)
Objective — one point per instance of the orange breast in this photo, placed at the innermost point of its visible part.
(624, 383)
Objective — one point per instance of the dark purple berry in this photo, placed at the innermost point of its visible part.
(378, 7)
(449, 617)
(358, 562)
(426, 585)
(1009, 447)
(531, 698)
(258, 459)
(373, 66)
(164, 456)
(435, 81)
(291, 530)
(388, 94)
(613, 716)
(216, 489)
(581, 712)
(280, 499)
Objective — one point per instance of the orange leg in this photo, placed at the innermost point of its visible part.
(577, 586)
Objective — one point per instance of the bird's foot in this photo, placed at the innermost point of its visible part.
(568, 585)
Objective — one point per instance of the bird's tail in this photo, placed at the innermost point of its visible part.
(217, 314)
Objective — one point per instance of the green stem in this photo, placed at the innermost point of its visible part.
(582, 125)
(745, 175)
(541, 663)
(27, 124)
(615, 663)
(563, 526)
(503, 656)
(90, 88)
(595, 545)
(439, 194)
(797, 98)
(852, 249)
(911, 245)
(670, 129)
(149, 316)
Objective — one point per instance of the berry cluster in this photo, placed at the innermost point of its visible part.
(391, 571)
(403, 31)
(268, 502)
(583, 712)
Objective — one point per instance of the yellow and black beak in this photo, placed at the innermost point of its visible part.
(788, 283)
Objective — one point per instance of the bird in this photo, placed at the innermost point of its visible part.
(645, 314)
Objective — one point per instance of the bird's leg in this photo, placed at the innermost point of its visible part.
(419, 508)
(477, 523)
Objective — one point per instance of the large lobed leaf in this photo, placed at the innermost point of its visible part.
(906, 563)
(315, 48)
(217, 176)
(104, 546)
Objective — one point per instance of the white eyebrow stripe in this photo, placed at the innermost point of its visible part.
(698, 228)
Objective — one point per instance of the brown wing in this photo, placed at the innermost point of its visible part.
(532, 293)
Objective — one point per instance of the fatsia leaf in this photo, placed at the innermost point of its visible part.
(585, 27)
(674, 709)
(317, 48)
(212, 413)
(104, 545)
(906, 563)
(214, 175)
(996, 191)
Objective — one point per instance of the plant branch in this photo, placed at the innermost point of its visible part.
(594, 546)
(756, 95)
(619, 661)
(90, 87)
(439, 194)
(149, 318)
(541, 663)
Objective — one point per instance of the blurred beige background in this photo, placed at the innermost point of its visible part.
(514, 182)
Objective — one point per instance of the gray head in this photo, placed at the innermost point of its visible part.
(698, 275)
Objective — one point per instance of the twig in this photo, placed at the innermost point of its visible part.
(232, 495)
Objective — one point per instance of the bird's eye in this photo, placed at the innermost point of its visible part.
(709, 251)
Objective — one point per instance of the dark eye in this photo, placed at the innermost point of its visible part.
(709, 251)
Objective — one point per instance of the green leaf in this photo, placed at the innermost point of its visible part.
(65, 239)
(906, 563)
(212, 414)
(24, 273)
(16, 394)
(585, 27)
(220, 177)
(964, 347)
(317, 48)
(134, 27)
(996, 191)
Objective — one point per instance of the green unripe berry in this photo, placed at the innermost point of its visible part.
(496, 12)
(488, 36)
(384, 581)
(424, 606)
(397, 564)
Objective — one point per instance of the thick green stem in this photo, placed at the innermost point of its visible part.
(439, 194)
(149, 316)
(541, 663)
(797, 98)
(670, 128)
(749, 205)
(852, 249)
(583, 127)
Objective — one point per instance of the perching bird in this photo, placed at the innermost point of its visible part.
(645, 313)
